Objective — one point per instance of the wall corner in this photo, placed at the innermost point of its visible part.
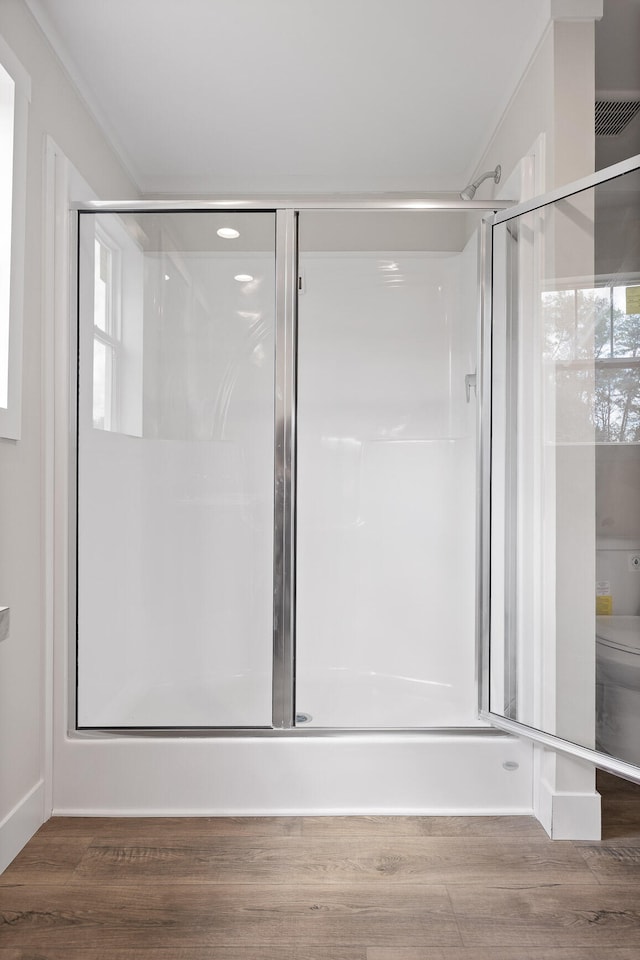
(569, 816)
(565, 798)
(21, 823)
(576, 9)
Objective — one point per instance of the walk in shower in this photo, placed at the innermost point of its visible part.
(276, 466)
(338, 502)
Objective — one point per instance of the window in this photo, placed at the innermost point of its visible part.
(617, 411)
(106, 336)
(114, 259)
(595, 334)
(14, 98)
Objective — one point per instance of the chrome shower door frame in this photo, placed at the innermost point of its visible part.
(285, 423)
(284, 538)
(486, 615)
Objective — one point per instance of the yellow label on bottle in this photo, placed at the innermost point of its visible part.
(633, 299)
(604, 606)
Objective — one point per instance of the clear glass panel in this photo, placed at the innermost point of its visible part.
(565, 641)
(386, 469)
(175, 491)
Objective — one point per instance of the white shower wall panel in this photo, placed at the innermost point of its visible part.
(386, 490)
(165, 645)
(175, 526)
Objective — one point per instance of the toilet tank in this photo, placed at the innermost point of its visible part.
(618, 565)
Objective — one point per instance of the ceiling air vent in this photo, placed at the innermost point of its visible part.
(612, 116)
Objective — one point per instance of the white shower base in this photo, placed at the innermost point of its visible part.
(276, 775)
(348, 699)
(351, 698)
(236, 700)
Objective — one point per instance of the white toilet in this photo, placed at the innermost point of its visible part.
(618, 686)
(618, 652)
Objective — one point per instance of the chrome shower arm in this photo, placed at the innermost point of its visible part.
(469, 192)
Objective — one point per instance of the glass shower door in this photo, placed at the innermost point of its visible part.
(386, 469)
(175, 469)
(564, 647)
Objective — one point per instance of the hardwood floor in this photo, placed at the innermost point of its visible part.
(318, 888)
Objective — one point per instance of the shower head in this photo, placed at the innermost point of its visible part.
(469, 192)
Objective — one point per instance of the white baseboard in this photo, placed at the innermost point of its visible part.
(20, 824)
(568, 816)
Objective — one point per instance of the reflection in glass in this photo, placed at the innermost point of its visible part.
(566, 469)
(101, 381)
(103, 293)
(593, 323)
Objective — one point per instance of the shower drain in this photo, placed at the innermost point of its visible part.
(303, 717)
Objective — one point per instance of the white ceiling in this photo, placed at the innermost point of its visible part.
(217, 96)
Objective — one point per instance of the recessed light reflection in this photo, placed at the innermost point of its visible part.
(228, 233)
(243, 277)
(390, 265)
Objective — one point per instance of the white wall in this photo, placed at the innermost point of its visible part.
(618, 75)
(554, 98)
(56, 109)
(551, 113)
(386, 489)
(618, 482)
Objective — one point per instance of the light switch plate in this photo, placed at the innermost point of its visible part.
(4, 623)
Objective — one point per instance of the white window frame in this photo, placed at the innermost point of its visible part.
(11, 414)
(123, 337)
(111, 336)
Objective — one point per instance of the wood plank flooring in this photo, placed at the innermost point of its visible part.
(326, 888)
